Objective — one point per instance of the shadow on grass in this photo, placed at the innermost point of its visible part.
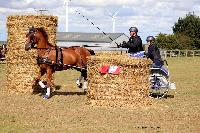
(41, 91)
(57, 87)
(68, 93)
(160, 96)
(38, 90)
(170, 96)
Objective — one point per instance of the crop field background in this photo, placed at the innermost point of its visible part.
(67, 111)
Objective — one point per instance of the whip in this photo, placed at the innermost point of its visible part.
(98, 28)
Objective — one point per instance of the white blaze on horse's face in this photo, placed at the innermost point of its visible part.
(30, 42)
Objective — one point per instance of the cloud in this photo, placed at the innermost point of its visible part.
(104, 3)
(23, 4)
(150, 16)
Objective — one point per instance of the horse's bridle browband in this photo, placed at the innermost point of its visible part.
(32, 39)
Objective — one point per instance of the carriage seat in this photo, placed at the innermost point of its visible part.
(162, 71)
(139, 54)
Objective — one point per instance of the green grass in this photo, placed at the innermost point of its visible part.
(2, 73)
(67, 112)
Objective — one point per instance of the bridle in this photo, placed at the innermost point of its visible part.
(32, 35)
(32, 39)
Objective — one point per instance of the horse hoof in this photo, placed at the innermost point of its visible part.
(84, 90)
(46, 96)
(80, 85)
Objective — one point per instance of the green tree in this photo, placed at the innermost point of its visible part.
(189, 26)
(165, 41)
(174, 41)
(184, 41)
(186, 34)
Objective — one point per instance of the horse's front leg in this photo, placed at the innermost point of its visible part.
(37, 79)
(49, 84)
(41, 73)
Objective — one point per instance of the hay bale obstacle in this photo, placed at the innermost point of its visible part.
(127, 85)
(22, 67)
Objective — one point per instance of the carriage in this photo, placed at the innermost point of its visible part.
(159, 78)
(160, 81)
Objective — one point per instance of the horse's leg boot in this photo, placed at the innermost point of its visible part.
(78, 81)
(41, 84)
(47, 95)
(85, 86)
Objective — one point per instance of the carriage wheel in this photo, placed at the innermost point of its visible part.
(159, 86)
(158, 93)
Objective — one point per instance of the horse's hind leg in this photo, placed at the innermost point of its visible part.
(78, 81)
(84, 74)
(49, 84)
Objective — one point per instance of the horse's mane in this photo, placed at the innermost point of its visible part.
(44, 33)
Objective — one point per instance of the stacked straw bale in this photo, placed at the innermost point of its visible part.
(128, 89)
(22, 67)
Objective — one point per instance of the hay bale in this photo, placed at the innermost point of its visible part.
(128, 89)
(22, 67)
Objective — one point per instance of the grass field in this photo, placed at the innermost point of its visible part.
(66, 111)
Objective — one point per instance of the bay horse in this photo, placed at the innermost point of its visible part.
(52, 58)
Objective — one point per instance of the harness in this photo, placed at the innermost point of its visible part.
(58, 65)
(59, 56)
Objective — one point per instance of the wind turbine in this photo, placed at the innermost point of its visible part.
(114, 17)
(66, 4)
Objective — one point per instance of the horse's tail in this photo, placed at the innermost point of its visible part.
(91, 51)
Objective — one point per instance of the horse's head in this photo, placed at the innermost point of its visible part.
(31, 38)
(36, 36)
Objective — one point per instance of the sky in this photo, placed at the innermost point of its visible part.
(151, 17)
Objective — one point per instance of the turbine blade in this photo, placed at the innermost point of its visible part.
(109, 13)
(115, 14)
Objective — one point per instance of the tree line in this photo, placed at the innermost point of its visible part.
(186, 34)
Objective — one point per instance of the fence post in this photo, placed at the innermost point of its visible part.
(170, 53)
(186, 53)
(192, 53)
(165, 54)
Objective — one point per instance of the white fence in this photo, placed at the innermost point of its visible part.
(179, 53)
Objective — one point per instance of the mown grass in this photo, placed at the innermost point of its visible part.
(67, 112)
